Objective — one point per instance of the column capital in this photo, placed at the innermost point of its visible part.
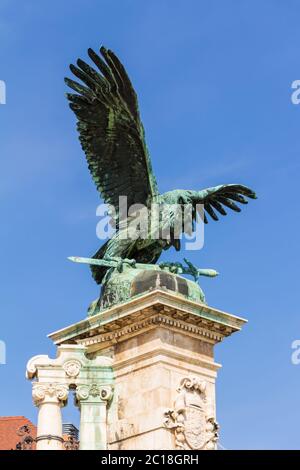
(50, 393)
(94, 393)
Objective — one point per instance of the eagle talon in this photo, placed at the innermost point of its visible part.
(190, 269)
(175, 268)
(121, 262)
(130, 262)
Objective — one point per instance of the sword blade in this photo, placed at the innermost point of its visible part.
(95, 262)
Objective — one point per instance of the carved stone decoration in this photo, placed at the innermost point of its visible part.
(72, 368)
(82, 392)
(212, 430)
(56, 391)
(94, 390)
(194, 427)
(41, 359)
(103, 392)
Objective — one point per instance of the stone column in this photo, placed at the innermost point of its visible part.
(90, 375)
(92, 401)
(49, 398)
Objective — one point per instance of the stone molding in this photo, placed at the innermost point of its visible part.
(121, 334)
(71, 366)
(170, 358)
(141, 308)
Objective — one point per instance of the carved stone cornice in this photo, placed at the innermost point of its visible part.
(120, 334)
(53, 392)
(206, 321)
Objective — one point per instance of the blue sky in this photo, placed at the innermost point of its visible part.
(214, 85)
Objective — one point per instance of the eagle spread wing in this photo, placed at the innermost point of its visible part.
(110, 129)
(113, 139)
(214, 199)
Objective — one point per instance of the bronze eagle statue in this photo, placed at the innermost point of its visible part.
(113, 138)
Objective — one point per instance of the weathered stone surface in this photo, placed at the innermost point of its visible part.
(158, 343)
(90, 377)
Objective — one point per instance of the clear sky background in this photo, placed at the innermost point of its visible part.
(214, 85)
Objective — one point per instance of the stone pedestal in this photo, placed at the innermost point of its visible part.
(161, 347)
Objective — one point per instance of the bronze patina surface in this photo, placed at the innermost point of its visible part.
(112, 136)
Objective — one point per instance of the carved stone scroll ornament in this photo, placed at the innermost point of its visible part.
(102, 392)
(40, 392)
(195, 428)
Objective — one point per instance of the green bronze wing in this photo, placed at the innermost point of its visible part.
(214, 199)
(210, 201)
(111, 132)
